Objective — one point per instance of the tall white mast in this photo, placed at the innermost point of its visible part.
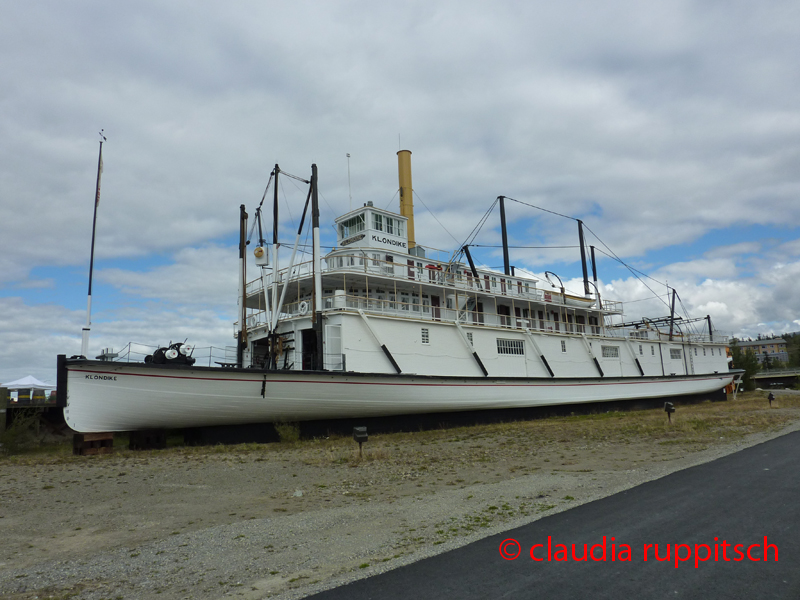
(87, 328)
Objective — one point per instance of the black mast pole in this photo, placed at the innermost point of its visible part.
(506, 268)
(471, 262)
(672, 315)
(242, 340)
(586, 290)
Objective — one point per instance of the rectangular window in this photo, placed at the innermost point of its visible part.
(494, 282)
(425, 336)
(426, 304)
(510, 347)
(652, 350)
(704, 351)
(376, 259)
(610, 351)
(377, 221)
(404, 299)
(389, 225)
(352, 226)
(695, 351)
(675, 353)
(469, 337)
(641, 350)
(563, 345)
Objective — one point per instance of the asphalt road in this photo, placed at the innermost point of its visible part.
(739, 499)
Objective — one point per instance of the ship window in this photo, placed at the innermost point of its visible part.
(404, 299)
(494, 282)
(510, 346)
(426, 339)
(610, 351)
(378, 222)
(389, 225)
(675, 353)
(704, 351)
(376, 259)
(652, 350)
(415, 302)
(426, 304)
(563, 345)
(340, 261)
(469, 337)
(351, 226)
(641, 350)
(695, 351)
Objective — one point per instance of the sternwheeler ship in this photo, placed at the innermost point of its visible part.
(377, 328)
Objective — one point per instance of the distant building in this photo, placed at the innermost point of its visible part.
(774, 348)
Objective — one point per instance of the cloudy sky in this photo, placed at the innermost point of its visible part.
(670, 128)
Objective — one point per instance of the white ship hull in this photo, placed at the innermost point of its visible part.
(122, 397)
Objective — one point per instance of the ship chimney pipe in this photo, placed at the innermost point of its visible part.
(406, 193)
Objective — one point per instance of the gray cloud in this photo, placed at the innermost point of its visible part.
(658, 123)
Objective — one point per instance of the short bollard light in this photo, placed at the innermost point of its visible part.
(360, 435)
(669, 408)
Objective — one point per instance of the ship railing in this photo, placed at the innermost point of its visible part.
(207, 356)
(654, 335)
(395, 305)
(260, 319)
(425, 273)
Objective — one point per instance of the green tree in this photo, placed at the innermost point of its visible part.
(747, 360)
(793, 348)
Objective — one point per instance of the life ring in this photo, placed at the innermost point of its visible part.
(302, 308)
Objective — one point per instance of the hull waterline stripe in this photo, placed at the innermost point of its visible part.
(551, 383)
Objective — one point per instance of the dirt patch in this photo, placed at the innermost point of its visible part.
(283, 520)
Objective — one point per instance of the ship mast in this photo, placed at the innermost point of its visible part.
(85, 333)
(317, 260)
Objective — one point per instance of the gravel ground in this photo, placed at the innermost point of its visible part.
(284, 522)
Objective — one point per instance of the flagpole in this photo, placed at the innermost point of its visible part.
(87, 328)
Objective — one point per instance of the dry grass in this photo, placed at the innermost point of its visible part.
(692, 427)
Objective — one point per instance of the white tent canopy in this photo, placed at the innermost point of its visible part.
(27, 383)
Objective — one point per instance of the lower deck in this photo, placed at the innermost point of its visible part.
(357, 341)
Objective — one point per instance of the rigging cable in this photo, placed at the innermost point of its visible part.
(434, 216)
(631, 269)
(260, 204)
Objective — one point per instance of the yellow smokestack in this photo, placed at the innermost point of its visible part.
(406, 192)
